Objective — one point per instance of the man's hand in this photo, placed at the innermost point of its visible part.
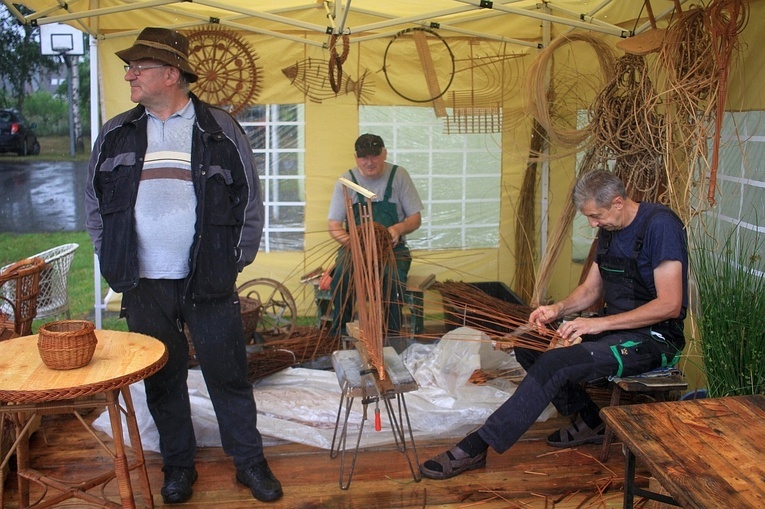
(394, 235)
(545, 314)
(579, 327)
(559, 342)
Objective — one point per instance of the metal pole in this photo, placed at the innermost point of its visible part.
(70, 93)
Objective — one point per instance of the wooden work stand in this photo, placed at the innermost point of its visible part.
(28, 388)
(358, 379)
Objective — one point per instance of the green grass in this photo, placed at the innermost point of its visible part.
(14, 247)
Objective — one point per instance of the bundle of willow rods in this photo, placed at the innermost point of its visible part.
(492, 316)
(725, 20)
(550, 97)
(304, 344)
(697, 52)
(367, 282)
(628, 127)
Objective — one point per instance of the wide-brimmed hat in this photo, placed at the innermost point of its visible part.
(163, 45)
(369, 145)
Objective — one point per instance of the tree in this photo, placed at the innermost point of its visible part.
(20, 60)
(81, 90)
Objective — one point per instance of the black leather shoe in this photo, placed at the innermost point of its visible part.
(177, 486)
(261, 481)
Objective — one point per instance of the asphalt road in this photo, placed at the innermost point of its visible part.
(40, 197)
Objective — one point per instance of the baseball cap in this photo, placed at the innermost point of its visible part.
(369, 145)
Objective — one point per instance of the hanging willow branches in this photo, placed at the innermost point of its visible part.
(627, 127)
(697, 53)
(551, 98)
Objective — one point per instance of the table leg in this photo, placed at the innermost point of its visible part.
(630, 490)
(340, 440)
(135, 442)
(22, 422)
(341, 443)
(121, 470)
(629, 480)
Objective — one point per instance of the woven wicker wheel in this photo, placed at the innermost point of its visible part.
(268, 310)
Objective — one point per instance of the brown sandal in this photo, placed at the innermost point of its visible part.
(579, 433)
(453, 467)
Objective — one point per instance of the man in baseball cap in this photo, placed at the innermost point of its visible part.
(369, 145)
(397, 207)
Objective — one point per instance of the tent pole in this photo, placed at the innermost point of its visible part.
(95, 125)
(544, 195)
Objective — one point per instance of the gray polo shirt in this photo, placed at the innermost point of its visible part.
(165, 209)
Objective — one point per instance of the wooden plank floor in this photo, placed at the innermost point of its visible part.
(530, 475)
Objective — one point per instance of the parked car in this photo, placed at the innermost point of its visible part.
(16, 134)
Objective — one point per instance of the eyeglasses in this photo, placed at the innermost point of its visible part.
(138, 69)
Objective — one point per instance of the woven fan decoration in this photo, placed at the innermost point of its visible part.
(228, 75)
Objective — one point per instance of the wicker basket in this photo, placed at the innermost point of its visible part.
(251, 309)
(67, 344)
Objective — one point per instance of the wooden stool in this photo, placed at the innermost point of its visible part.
(658, 386)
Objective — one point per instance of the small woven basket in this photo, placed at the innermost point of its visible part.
(67, 344)
(251, 309)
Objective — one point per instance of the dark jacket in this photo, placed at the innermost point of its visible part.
(229, 205)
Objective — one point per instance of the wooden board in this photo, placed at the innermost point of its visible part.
(643, 43)
(530, 475)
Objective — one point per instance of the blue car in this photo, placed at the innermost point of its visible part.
(16, 134)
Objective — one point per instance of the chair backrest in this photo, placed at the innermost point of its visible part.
(54, 280)
(20, 284)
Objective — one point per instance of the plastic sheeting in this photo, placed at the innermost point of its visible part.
(301, 405)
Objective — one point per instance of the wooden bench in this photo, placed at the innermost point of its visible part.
(658, 384)
(704, 452)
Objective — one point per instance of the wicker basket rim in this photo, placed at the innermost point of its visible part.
(67, 328)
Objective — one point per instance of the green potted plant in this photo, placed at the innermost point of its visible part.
(729, 275)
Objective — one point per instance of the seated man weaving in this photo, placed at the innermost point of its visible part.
(640, 271)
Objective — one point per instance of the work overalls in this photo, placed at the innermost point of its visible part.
(385, 213)
(555, 376)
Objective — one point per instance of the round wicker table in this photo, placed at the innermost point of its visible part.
(29, 388)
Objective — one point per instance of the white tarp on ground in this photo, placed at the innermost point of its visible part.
(301, 405)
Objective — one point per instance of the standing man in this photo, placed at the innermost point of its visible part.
(641, 271)
(174, 210)
(397, 207)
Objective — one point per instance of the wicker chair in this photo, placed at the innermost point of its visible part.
(19, 289)
(20, 284)
(54, 280)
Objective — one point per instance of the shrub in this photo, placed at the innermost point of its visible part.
(49, 113)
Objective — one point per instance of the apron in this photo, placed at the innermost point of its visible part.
(386, 213)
